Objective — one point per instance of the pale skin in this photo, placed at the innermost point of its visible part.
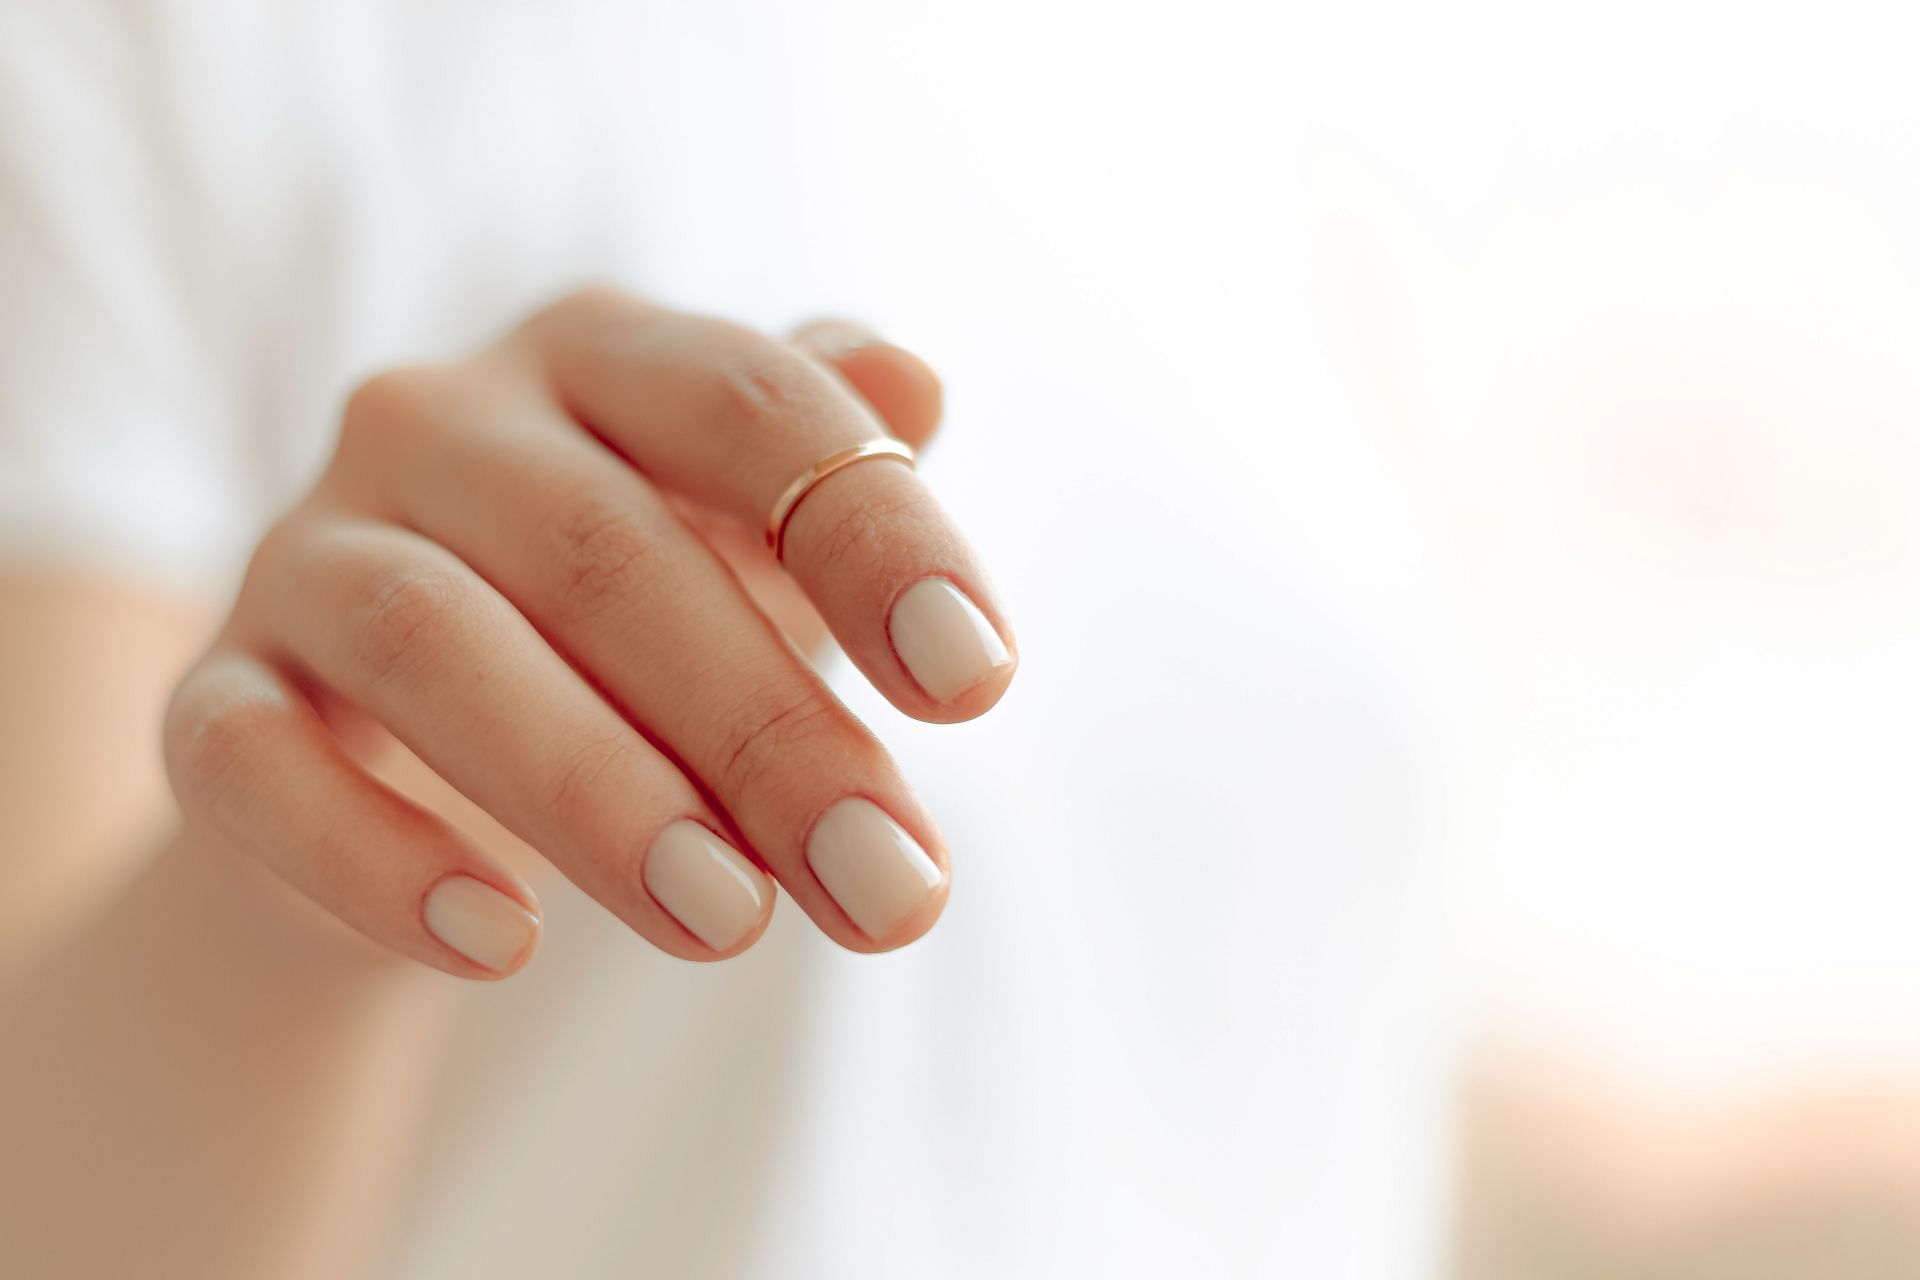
(527, 607)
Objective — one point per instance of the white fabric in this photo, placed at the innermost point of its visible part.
(1165, 1028)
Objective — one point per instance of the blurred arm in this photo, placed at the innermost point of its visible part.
(85, 668)
(199, 1074)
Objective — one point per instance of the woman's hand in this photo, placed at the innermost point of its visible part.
(540, 570)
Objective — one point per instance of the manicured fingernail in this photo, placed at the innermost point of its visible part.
(480, 922)
(706, 884)
(876, 871)
(836, 338)
(946, 643)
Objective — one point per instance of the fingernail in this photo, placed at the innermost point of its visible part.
(836, 338)
(480, 922)
(945, 642)
(706, 884)
(876, 871)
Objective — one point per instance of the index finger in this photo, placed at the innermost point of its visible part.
(732, 419)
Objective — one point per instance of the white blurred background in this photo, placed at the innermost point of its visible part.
(1473, 466)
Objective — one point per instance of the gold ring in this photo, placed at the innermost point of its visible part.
(783, 509)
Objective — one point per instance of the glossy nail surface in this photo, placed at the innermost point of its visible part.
(480, 922)
(876, 871)
(944, 641)
(706, 884)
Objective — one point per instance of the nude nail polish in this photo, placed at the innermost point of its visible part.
(944, 641)
(836, 339)
(876, 871)
(480, 922)
(706, 884)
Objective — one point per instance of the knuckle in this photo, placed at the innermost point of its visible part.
(598, 298)
(589, 775)
(209, 740)
(591, 304)
(388, 403)
(276, 548)
(406, 618)
(762, 386)
(602, 557)
(781, 725)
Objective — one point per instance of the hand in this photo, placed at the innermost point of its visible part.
(540, 570)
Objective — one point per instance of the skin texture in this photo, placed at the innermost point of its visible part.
(221, 1011)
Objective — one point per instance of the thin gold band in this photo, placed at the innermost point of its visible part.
(783, 509)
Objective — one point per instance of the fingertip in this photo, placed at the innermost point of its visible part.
(901, 387)
(697, 951)
(720, 901)
(909, 931)
(897, 585)
(971, 703)
(887, 884)
(492, 929)
(958, 658)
